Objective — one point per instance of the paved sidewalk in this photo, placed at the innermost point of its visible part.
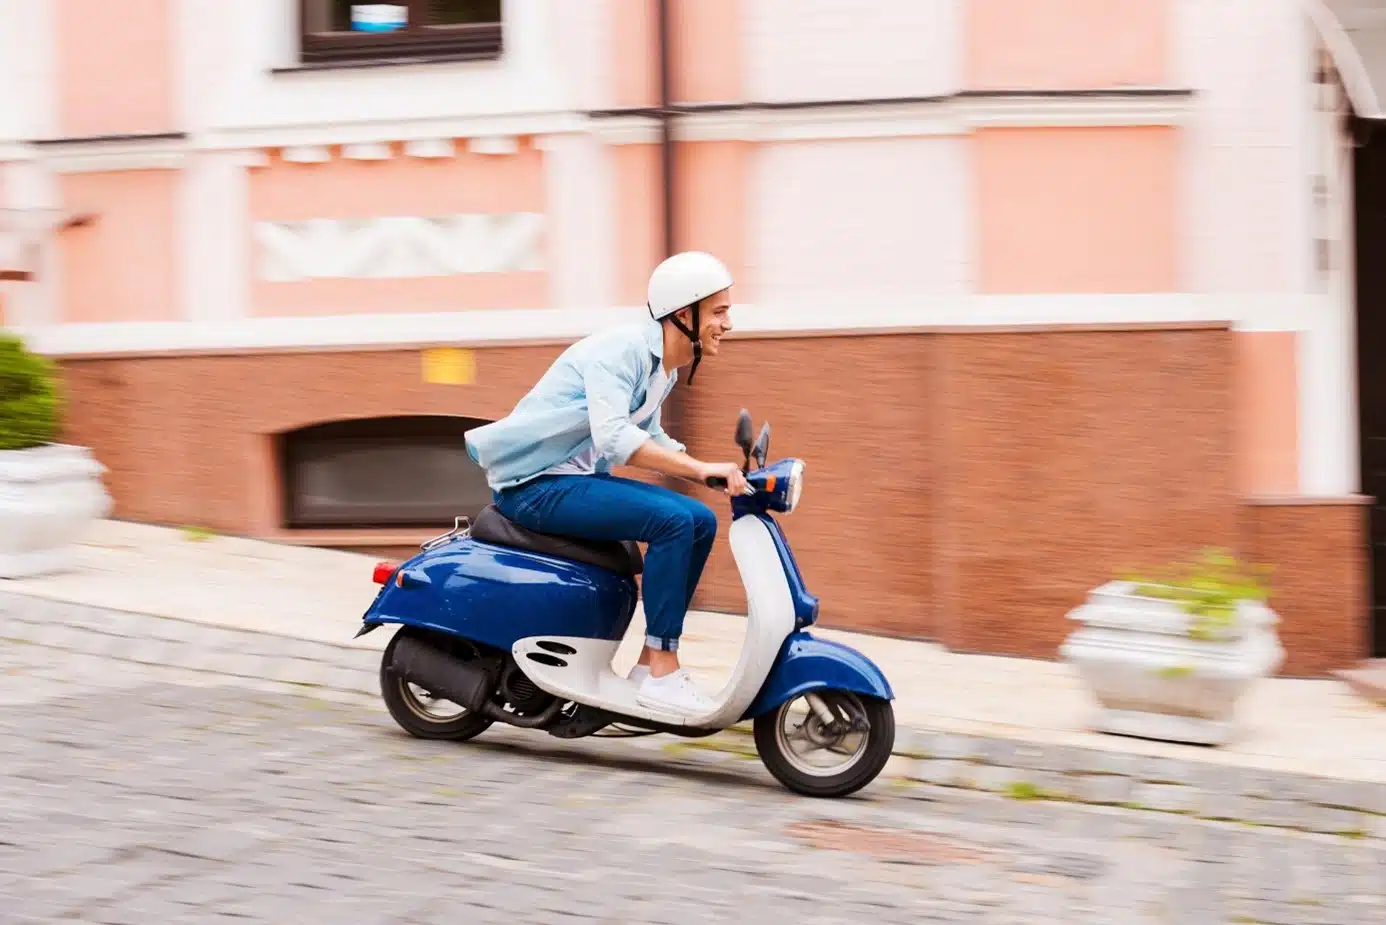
(1313, 756)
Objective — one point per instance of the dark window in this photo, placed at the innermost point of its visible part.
(381, 472)
(403, 30)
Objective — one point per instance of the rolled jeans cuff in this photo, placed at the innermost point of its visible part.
(662, 643)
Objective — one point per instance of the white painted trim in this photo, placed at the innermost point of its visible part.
(106, 162)
(248, 158)
(1327, 366)
(494, 144)
(867, 316)
(431, 148)
(326, 332)
(1326, 356)
(28, 72)
(258, 97)
(166, 160)
(525, 123)
(99, 155)
(215, 239)
(947, 116)
(830, 129)
(110, 158)
(1037, 112)
(822, 123)
(627, 130)
(499, 134)
(1356, 79)
(33, 188)
(591, 59)
(190, 31)
(306, 154)
(580, 237)
(367, 151)
(1327, 415)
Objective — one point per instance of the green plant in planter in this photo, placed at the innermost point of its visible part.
(1208, 589)
(29, 399)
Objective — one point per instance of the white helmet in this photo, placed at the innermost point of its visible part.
(684, 279)
(680, 281)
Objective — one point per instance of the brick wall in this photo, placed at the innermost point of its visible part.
(964, 487)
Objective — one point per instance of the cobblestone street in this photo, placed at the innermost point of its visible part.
(134, 794)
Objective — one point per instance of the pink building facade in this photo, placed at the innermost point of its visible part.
(1070, 285)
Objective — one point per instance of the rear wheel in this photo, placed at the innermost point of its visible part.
(417, 711)
(816, 756)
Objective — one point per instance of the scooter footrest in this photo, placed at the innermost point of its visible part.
(585, 722)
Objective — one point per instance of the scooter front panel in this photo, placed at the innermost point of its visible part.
(770, 619)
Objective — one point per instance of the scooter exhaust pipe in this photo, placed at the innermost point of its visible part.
(467, 684)
(537, 721)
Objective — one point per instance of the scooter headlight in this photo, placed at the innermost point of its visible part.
(796, 486)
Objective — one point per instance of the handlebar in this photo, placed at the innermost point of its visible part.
(719, 483)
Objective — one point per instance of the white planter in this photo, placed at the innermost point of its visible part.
(1152, 680)
(48, 496)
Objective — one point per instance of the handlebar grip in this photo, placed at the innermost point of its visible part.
(716, 481)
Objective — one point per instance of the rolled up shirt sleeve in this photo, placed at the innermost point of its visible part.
(609, 394)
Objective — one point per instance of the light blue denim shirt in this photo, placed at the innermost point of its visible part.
(585, 399)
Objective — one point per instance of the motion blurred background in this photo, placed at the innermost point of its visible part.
(1040, 289)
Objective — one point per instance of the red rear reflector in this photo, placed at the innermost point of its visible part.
(383, 571)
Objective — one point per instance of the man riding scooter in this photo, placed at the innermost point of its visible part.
(548, 462)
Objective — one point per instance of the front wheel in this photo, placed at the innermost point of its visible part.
(830, 748)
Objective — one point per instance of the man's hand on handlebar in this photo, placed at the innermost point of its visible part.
(725, 477)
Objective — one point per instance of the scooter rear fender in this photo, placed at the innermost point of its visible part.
(807, 663)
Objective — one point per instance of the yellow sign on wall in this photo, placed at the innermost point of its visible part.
(449, 366)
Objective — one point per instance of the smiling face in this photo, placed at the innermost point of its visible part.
(715, 318)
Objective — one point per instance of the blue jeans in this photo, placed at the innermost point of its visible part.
(679, 532)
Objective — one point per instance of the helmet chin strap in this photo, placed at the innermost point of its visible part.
(691, 334)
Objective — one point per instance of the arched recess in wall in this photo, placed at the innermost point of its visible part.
(399, 471)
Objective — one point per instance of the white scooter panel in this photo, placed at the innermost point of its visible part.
(579, 669)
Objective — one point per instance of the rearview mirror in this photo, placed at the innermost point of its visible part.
(762, 447)
(743, 432)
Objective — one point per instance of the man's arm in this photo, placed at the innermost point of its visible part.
(609, 396)
(657, 458)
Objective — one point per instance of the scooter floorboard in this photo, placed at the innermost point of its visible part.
(579, 669)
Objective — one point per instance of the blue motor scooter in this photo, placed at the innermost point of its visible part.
(501, 624)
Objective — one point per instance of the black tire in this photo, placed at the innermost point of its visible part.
(872, 758)
(408, 711)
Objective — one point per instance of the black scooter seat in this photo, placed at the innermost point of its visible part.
(623, 558)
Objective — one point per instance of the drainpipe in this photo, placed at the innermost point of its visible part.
(666, 141)
(673, 413)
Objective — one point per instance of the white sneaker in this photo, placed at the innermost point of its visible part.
(639, 673)
(675, 692)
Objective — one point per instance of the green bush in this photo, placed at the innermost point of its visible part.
(1207, 589)
(29, 401)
